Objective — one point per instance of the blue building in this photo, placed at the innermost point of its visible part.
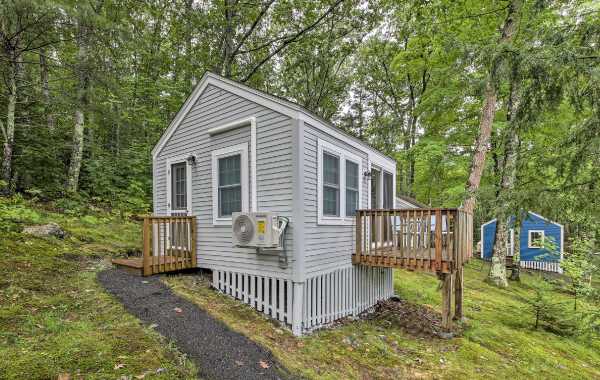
(536, 231)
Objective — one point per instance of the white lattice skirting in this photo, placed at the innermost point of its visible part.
(325, 297)
(548, 266)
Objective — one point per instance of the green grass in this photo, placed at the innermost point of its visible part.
(56, 319)
(498, 339)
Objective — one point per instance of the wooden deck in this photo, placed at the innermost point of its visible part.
(169, 244)
(438, 240)
(413, 239)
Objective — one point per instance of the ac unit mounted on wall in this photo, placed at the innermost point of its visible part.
(258, 230)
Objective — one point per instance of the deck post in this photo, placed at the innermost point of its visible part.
(297, 308)
(194, 257)
(447, 293)
(438, 240)
(458, 296)
(146, 235)
(358, 248)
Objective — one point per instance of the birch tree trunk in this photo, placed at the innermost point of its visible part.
(510, 159)
(488, 110)
(82, 98)
(9, 130)
(46, 89)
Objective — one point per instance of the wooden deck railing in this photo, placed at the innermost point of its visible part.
(436, 240)
(169, 243)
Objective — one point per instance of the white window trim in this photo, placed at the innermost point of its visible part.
(530, 242)
(241, 149)
(343, 155)
(188, 183)
(248, 121)
(382, 167)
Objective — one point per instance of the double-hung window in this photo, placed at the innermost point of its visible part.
(230, 185)
(331, 185)
(339, 184)
(230, 182)
(352, 185)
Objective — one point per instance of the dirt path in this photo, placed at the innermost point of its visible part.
(218, 352)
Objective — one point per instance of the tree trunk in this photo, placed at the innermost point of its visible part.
(226, 64)
(9, 129)
(510, 159)
(488, 111)
(46, 90)
(515, 274)
(77, 144)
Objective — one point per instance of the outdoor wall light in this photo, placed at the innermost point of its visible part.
(191, 159)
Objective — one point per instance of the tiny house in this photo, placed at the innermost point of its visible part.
(541, 242)
(233, 156)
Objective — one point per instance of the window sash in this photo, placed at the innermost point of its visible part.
(352, 183)
(536, 239)
(331, 185)
(230, 185)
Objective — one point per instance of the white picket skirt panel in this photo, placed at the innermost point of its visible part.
(271, 295)
(326, 297)
(343, 292)
(542, 265)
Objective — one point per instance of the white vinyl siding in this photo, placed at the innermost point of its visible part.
(215, 108)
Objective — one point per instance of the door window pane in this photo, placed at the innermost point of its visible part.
(230, 185)
(331, 185)
(351, 188)
(178, 186)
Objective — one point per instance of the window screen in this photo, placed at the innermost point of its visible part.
(352, 184)
(230, 185)
(375, 188)
(331, 185)
(178, 186)
(388, 191)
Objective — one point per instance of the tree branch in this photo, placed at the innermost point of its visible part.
(291, 40)
(250, 30)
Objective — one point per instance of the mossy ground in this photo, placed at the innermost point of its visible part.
(498, 339)
(56, 319)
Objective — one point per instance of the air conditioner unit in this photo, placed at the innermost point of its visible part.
(258, 229)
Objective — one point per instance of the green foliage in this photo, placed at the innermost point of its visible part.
(546, 312)
(54, 316)
(579, 267)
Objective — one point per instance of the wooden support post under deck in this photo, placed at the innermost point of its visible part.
(447, 293)
(458, 296)
(193, 243)
(146, 233)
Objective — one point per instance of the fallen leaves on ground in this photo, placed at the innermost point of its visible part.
(264, 364)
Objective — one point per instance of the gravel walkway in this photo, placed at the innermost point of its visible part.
(217, 351)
